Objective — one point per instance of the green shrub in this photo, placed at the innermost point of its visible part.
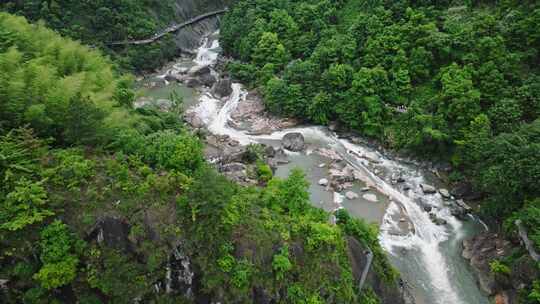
(59, 255)
(264, 172)
(281, 263)
(497, 267)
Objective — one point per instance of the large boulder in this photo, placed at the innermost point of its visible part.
(222, 88)
(193, 120)
(207, 80)
(428, 189)
(444, 193)
(293, 141)
(111, 231)
(198, 71)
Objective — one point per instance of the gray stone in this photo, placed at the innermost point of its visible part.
(222, 88)
(444, 193)
(233, 167)
(111, 231)
(351, 195)
(269, 151)
(428, 189)
(370, 197)
(197, 71)
(323, 182)
(194, 121)
(293, 141)
(207, 80)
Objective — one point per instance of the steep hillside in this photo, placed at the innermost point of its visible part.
(102, 203)
(98, 23)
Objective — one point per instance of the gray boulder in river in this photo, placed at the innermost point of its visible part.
(222, 88)
(293, 141)
(207, 80)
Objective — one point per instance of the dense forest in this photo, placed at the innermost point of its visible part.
(458, 82)
(461, 84)
(99, 23)
(99, 200)
(99, 197)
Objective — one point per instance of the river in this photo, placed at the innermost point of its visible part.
(427, 255)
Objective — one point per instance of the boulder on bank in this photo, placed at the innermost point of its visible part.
(111, 231)
(428, 189)
(323, 182)
(193, 120)
(444, 193)
(222, 88)
(293, 141)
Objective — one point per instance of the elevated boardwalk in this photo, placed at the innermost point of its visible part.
(170, 29)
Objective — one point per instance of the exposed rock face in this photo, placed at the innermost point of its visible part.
(293, 141)
(222, 88)
(111, 231)
(389, 293)
(180, 275)
(482, 249)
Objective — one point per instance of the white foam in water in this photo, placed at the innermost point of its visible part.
(338, 198)
(425, 237)
(206, 55)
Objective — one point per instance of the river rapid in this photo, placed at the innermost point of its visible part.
(427, 255)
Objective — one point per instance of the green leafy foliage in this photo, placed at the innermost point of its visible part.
(281, 263)
(59, 254)
(264, 172)
(24, 206)
(499, 268)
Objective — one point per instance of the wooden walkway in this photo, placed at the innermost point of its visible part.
(170, 29)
